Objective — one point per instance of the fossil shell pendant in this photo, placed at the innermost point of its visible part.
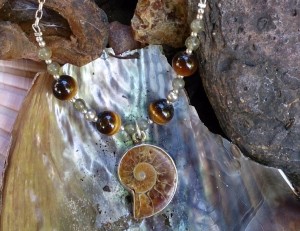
(150, 174)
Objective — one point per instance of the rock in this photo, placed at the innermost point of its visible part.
(249, 58)
(14, 43)
(116, 10)
(160, 22)
(250, 71)
(76, 34)
(121, 38)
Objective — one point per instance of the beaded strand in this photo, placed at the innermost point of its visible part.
(109, 123)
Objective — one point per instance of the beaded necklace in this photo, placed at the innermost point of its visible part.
(140, 179)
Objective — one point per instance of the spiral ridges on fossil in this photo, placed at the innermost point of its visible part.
(150, 174)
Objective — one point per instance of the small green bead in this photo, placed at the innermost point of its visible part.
(80, 105)
(197, 25)
(45, 53)
(130, 128)
(178, 83)
(192, 43)
(143, 124)
(53, 68)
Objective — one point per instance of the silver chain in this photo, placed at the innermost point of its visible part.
(38, 16)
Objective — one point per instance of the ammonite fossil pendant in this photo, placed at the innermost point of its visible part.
(150, 174)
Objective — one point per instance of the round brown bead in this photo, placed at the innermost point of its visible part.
(184, 64)
(108, 123)
(161, 112)
(65, 88)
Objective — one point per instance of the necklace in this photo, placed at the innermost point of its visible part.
(144, 165)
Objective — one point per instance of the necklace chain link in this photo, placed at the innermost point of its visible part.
(38, 16)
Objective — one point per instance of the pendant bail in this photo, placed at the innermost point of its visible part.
(139, 136)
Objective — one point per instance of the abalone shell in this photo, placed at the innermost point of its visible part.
(62, 173)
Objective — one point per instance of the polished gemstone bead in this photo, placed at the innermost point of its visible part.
(184, 64)
(108, 123)
(197, 25)
(130, 128)
(143, 124)
(178, 83)
(80, 105)
(161, 112)
(91, 115)
(192, 43)
(45, 53)
(53, 68)
(64, 88)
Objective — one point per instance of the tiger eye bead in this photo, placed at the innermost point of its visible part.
(108, 123)
(184, 64)
(64, 88)
(161, 112)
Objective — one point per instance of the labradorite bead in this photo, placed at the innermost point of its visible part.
(161, 112)
(108, 123)
(45, 53)
(53, 68)
(197, 25)
(184, 64)
(192, 43)
(130, 128)
(80, 105)
(143, 124)
(178, 83)
(64, 88)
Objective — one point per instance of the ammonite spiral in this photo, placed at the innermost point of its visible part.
(151, 176)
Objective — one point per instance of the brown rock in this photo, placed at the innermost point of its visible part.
(249, 64)
(121, 38)
(161, 22)
(250, 69)
(76, 34)
(14, 43)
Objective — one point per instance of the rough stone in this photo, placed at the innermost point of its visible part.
(121, 38)
(250, 71)
(76, 34)
(249, 63)
(160, 22)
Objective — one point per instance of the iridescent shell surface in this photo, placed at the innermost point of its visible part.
(151, 176)
(62, 173)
